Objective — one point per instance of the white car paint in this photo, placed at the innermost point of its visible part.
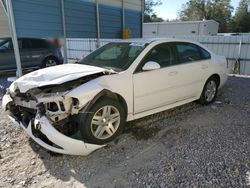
(54, 75)
(145, 93)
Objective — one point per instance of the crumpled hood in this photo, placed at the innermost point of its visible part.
(54, 75)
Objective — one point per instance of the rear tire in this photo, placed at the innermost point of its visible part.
(49, 62)
(209, 92)
(103, 123)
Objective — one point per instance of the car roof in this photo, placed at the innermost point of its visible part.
(150, 40)
(7, 38)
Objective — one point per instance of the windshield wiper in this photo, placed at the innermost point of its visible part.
(110, 69)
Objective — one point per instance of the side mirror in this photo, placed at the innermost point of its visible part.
(151, 65)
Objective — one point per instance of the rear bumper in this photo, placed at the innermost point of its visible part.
(61, 143)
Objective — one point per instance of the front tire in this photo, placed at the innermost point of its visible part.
(209, 92)
(103, 123)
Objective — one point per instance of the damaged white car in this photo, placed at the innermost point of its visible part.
(119, 82)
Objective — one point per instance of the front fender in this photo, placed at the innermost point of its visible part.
(86, 92)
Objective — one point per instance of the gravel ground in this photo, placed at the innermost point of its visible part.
(189, 146)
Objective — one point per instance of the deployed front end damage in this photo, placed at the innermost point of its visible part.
(49, 115)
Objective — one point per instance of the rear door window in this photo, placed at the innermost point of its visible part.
(205, 54)
(26, 44)
(189, 52)
(38, 44)
(33, 44)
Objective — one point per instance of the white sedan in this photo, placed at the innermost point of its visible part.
(119, 82)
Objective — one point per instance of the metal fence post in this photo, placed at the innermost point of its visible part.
(12, 27)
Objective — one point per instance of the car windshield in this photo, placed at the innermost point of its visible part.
(115, 56)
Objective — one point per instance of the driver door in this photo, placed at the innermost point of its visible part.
(156, 88)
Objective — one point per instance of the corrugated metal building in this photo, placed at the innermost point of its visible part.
(4, 27)
(162, 29)
(73, 19)
(43, 18)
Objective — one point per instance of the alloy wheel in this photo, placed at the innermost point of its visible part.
(211, 89)
(50, 63)
(105, 122)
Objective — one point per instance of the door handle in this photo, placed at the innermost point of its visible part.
(173, 73)
(204, 66)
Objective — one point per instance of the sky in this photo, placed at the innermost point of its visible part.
(170, 8)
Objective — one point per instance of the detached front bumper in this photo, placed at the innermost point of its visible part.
(61, 143)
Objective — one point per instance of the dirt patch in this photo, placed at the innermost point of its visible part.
(143, 133)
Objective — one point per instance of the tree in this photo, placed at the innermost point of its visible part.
(218, 10)
(149, 14)
(241, 20)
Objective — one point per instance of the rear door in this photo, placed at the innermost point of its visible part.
(32, 52)
(40, 50)
(193, 68)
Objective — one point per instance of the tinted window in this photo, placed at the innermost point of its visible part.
(38, 44)
(8, 45)
(33, 44)
(188, 52)
(26, 44)
(162, 54)
(205, 54)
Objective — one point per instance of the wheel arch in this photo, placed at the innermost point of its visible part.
(45, 58)
(49, 56)
(217, 77)
(109, 94)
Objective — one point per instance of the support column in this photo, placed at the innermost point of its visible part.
(123, 16)
(98, 24)
(64, 32)
(142, 16)
(12, 27)
(3, 2)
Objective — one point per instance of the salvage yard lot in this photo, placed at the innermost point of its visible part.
(191, 145)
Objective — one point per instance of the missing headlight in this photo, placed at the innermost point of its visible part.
(75, 101)
(52, 106)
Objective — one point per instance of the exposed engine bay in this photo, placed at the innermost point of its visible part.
(49, 115)
(52, 102)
